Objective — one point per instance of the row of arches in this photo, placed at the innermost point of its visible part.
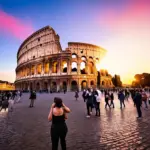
(83, 67)
(84, 58)
(38, 86)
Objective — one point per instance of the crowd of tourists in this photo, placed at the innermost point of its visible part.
(8, 99)
(93, 97)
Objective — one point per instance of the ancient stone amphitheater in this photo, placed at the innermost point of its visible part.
(43, 65)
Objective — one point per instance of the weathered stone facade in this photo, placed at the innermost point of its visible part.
(43, 65)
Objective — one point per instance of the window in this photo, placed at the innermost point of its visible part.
(33, 56)
(81, 51)
(38, 39)
(40, 44)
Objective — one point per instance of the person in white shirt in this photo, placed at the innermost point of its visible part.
(98, 96)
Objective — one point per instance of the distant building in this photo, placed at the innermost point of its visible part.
(4, 86)
(105, 79)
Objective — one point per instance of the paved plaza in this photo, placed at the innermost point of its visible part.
(28, 128)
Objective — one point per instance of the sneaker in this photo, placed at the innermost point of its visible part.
(87, 116)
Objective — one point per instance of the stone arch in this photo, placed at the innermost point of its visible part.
(83, 58)
(74, 67)
(74, 85)
(37, 86)
(64, 85)
(26, 86)
(39, 68)
(46, 68)
(83, 67)
(55, 67)
(64, 66)
(106, 73)
(32, 70)
(31, 86)
(74, 55)
(28, 71)
(91, 67)
(84, 84)
(45, 86)
(54, 86)
(90, 58)
(92, 83)
(97, 59)
(103, 83)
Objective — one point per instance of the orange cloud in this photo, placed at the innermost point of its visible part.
(14, 26)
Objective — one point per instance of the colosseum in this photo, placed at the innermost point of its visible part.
(42, 65)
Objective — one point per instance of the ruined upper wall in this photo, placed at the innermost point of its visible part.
(41, 43)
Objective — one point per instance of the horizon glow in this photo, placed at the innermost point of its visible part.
(120, 27)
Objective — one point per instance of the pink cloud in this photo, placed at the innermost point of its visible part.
(134, 14)
(14, 26)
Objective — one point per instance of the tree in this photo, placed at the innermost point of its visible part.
(117, 81)
(141, 80)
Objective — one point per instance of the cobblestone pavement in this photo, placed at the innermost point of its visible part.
(28, 128)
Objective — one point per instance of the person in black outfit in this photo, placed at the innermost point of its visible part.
(112, 99)
(32, 98)
(107, 99)
(59, 128)
(138, 103)
(89, 102)
(84, 95)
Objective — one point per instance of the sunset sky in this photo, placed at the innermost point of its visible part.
(122, 27)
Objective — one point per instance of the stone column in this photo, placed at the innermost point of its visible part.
(50, 67)
(78, 68)
(79, 85)
(28, 86)
(68, 67)
(68, 85)
(87, 68)
(59, 67)
(49, 88)
(58, 84)
(42, 68)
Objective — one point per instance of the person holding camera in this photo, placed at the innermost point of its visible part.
(59, 128)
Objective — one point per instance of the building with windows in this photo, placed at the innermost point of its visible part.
(43, 65)
(6, 86)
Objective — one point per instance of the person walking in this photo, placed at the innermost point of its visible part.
(32, 98)
(89, 102)
(138, 103)
(58, 128)
(121, 97)
(107, 99)
(76, 95)
(98, 96)
(84, 95)
(112, 99)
